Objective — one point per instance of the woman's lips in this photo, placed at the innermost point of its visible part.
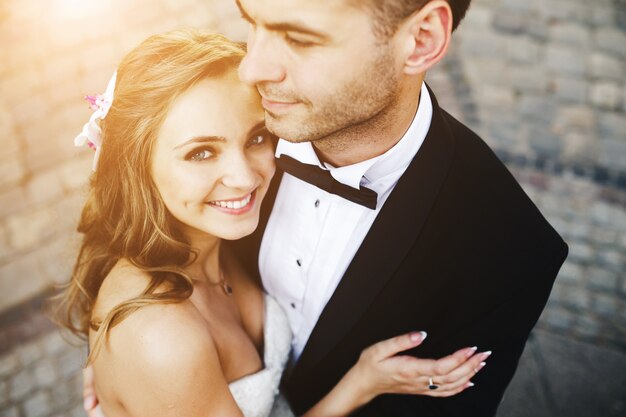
(235, 206)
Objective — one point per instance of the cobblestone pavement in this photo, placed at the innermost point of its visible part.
(542, 81)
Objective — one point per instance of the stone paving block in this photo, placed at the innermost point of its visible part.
(574, 298)
(588, 328)
(68, 365)
(44, 187)
(513, 22)
(29, 353)
(568, 88)
(496, 97)
(21, 384)
(477, 18)
(12, 170)
(538, 108)
(559, 319)
(11, 412)
(54, 344)
(604, 305)
(604, 237)
(600, 17)
(8, 364)
(482, 44)
(565, 60)
(38, 405)
(538, 29)
(30, 110)
(505, 130)
(606, 95)
(528, 78)
(562, 10)
(601, 279)
(18, 274)
(570, 33)
(580, 391)
(612, 153)
(575, 117)
(611, 40)
(4, 394)
(580, 148)
(580, 253)
(28, 229)
(610, 259)
(44, 372)
(543, 141)
(517, 5)
(74, 173)
(20, 86)
(602, 65)
(612, 125)
(57, 260)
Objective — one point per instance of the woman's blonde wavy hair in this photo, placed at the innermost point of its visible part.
(124, 216)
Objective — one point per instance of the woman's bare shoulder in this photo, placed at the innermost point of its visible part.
(161, 353)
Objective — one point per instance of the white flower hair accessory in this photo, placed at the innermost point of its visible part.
(91, 134)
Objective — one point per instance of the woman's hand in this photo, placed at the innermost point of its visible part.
(379, 371)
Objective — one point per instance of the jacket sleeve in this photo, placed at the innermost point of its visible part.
(504, 330)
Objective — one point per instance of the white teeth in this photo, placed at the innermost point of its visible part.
(233, 204)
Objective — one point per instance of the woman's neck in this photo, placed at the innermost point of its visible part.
(207, 265)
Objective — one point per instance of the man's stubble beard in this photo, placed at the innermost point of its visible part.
(350, 116)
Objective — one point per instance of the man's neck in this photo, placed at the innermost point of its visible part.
(373, 137)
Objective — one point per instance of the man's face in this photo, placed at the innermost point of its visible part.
(318, 66)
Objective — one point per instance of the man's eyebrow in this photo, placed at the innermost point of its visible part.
(297, 26)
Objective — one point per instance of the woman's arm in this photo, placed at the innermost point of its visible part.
(380, 371)
(161, 361)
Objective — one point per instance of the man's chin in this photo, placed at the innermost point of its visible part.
(283, 127)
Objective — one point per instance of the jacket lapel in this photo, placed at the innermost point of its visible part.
(392, 234)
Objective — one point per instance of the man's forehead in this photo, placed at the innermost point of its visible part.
(305, 11)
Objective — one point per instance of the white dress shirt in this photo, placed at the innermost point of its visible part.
(312, 235)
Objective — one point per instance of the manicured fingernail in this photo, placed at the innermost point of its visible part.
(485, 355)
(89, 402)
(417, 336)
(471, 351)
(470, 384)
(481, 366)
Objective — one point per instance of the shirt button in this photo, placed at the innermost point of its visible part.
(293, 305)
(317, 203)
(299, 262)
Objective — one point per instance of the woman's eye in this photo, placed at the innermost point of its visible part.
(260, 138)
(200, 155)
(257, 140)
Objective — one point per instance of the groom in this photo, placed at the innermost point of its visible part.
(388, 214)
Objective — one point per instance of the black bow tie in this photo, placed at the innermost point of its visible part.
(323, 180)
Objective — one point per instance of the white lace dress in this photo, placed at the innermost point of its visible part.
(257, 394)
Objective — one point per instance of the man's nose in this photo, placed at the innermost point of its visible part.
(262, 63)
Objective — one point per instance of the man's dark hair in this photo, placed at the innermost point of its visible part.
(389, 13)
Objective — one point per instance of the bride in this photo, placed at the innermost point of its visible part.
(175, 325)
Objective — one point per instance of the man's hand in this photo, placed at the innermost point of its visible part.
(90, 401)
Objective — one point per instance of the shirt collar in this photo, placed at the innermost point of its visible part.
(394, 161)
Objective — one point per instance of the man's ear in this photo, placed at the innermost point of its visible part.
(425, 36)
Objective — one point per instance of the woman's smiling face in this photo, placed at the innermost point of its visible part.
(213, 158)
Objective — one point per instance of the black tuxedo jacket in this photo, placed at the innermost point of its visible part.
(458, 250)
